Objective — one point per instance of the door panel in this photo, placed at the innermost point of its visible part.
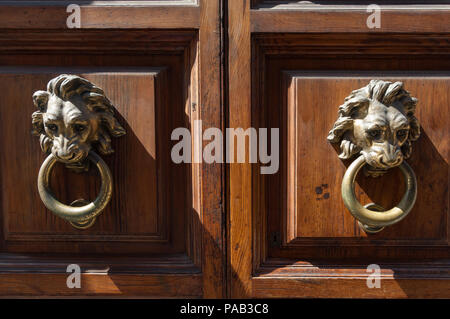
(161, 234)
(291, 234)
(311, 217)
(310, 112)
(165, 233)
(143, 213)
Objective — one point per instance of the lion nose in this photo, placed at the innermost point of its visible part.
(391, 160)
(392, 156)
(66, 155)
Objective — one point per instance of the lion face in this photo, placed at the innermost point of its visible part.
(71, 127)
(381, 134)
(74, 115)
(378, 122)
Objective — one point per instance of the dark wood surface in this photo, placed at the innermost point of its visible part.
(239, 189)
(314, 192)
(162, 233)
(18, 16)
(290, 234)
(218, 230)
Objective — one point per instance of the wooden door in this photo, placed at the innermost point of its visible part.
(161, 233)
(291, 65)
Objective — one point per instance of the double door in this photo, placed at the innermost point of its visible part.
(217, 229)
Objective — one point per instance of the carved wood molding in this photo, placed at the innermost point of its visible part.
(184, 14)
(172, 50)
(321, 44)
(138, 42)
(267, 47)
(341, 4)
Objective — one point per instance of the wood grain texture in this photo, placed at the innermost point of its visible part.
(89, 263)
(392, 288)
(343, 279)
(315, 191)
(276, 68)
(317, 4)
(345, 19)
(319, 43)
(141, 210)
(167, 58)
(102, 276)
(210, 111)
(102, 285)
(100, 17)
(91, 43)
(181, 51)
(239, 189)
(138, 149)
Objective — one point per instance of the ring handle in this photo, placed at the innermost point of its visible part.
(81, 216)
(372, 219)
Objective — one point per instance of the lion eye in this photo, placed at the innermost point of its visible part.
(402, 134)
(79, 128)
(52, 127)
(375, 134)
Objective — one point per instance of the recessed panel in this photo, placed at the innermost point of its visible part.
(139, 210)
(314, 207)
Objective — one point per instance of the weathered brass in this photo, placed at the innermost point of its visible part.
(84, 224)
(81, 217)
(378, 122)
(73, 117)
(372, 229)
(372, 218)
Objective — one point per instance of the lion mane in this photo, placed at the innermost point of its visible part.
(66, 86)
(356, 105)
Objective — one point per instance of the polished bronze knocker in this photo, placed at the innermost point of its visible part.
(73, 115)
(378, 122)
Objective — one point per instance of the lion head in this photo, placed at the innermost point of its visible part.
(377, 121)
(74, 114)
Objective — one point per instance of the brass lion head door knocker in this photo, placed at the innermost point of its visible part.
(73, 117)
(377, 122)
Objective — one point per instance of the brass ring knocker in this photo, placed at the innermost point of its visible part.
(74, 117)
(80, 217)
(374, 221)
(377, 122)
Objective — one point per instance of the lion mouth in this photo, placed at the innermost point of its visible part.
(394, 163)
(74, 158)
(377, 162)
(373, 171)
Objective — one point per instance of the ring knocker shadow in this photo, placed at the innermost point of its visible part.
(73, 116)
(377, 123)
